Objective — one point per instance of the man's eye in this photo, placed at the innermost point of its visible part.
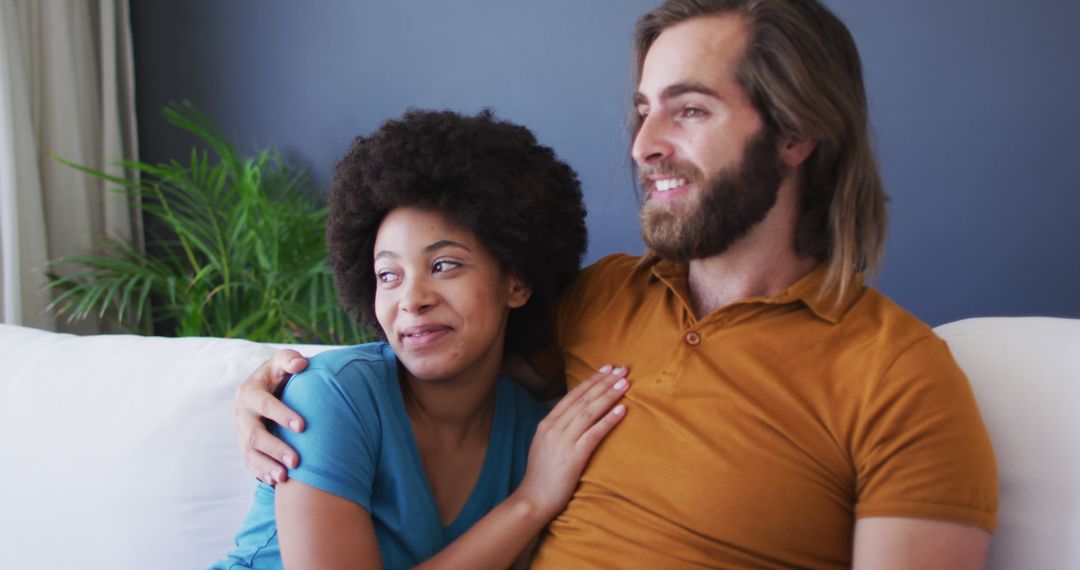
(693, 112)
(444, 265)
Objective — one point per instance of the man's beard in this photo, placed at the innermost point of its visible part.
(728, 204)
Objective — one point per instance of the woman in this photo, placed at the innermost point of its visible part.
(452, 234)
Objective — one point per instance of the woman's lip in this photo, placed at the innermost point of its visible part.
(421, 337)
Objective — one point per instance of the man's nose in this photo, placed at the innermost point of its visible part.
(651, 143)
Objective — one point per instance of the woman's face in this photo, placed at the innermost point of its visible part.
(441, 298)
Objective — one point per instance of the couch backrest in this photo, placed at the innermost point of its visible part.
(1026, 376)
(118, 451)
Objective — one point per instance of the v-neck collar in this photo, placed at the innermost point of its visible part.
(464, 518)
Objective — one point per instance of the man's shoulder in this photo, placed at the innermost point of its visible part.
(879, 329)
(615, 264)
(612, 282)
(876, 311)
(616, 269)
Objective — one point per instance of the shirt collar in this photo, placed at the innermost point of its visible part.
(809, 290)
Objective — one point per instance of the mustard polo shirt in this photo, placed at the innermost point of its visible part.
(756, 435)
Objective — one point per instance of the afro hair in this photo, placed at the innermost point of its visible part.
(486, 175)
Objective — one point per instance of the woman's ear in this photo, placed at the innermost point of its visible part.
(519, 293)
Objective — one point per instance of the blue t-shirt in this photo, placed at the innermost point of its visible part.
(359, 445)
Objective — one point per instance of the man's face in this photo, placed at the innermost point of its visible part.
(709, 170)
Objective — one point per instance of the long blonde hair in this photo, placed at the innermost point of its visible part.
(802, 72)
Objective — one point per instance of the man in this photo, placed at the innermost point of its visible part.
(783, 414)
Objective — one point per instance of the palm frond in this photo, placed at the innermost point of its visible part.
(238, 249)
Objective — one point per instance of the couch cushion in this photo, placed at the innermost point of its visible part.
(118, 451)
(1026, 377)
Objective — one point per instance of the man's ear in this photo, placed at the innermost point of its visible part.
(519, 293)
(795, 149)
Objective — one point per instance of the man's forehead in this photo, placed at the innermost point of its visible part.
(704, 50)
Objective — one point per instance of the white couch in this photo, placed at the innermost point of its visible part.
(118, 451)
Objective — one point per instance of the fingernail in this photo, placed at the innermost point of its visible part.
(619, 410)
(618, 371)
(287, 460)
(295, 425)
(276, 474)
(621, 384)
(605, 369)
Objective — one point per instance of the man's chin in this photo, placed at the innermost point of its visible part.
(665, 213)
(664, 241)
(668, 238)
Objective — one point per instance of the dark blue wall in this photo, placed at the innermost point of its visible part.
(974, 106)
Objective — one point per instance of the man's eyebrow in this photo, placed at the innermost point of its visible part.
(672, 91)
(684, 88)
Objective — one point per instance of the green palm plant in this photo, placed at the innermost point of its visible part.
(238, 250)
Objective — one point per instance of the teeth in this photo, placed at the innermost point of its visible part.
(669, 183)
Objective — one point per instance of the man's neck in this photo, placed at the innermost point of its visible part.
(763, 262)
(717, 282)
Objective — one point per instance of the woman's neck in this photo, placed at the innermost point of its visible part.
(452, 410)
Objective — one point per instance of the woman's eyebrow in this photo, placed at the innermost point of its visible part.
(441, 244)
(444, 243)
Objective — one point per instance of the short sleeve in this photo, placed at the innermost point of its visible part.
(339, 447)
(921, 449)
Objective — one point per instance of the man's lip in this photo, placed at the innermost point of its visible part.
(683, 183)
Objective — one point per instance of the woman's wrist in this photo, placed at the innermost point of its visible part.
(533, 513)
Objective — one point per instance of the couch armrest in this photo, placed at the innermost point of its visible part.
(119, 450)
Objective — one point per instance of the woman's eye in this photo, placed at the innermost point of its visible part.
(642, 111)
(387, 276)
(444, 265)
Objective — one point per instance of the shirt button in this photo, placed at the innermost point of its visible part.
(693, 338)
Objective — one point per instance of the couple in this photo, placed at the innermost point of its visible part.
(782, 413)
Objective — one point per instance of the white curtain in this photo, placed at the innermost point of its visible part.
(66, 89)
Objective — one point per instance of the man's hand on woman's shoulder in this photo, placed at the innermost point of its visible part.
(265, 455)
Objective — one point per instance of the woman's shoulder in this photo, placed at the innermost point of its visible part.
(524, 408)
(372, 355)
(362, 372)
